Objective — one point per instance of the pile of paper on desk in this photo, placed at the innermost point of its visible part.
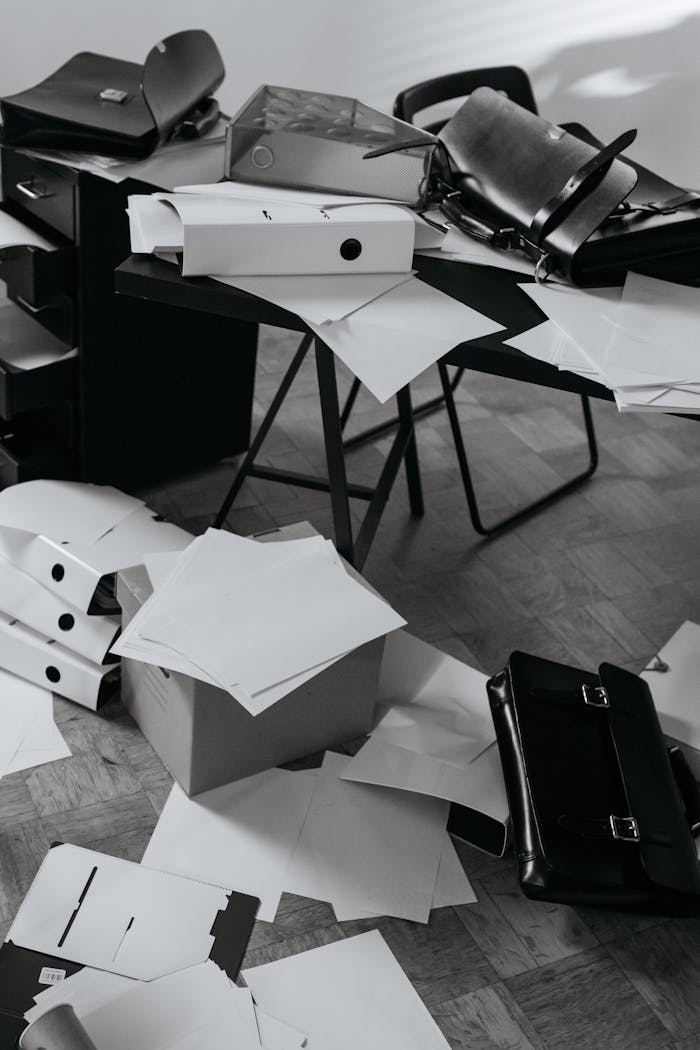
(60, 544)
(256, 619)
(641, 342)
(368, 835)
(385, 324)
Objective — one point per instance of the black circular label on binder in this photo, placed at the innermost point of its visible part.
(53, 674)
(58, 572)
(66, 621)
(350, 249)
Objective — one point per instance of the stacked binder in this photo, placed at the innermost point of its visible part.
(60, 545)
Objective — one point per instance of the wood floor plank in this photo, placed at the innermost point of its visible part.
(482, 1020)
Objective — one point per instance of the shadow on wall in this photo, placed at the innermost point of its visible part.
(650, 82)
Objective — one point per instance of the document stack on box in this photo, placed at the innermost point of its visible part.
(641, 341)
(60, 545)
(250, 653)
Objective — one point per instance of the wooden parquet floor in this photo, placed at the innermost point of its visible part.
(607, 574)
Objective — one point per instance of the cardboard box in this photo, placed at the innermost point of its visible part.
(205, 738)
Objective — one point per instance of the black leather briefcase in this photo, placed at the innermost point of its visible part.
(602, 813)
(120, 109)
(521, 182)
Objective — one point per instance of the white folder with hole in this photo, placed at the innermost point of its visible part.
(24, 599)
(30, 655)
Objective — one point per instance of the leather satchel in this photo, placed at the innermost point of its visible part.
(602, 813)
(108, 106)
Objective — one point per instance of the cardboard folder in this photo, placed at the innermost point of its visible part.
(26, 653)
(118, 916)
(82, 574)
(24, 599)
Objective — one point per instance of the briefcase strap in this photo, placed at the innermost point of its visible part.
(619, 829)
(577, 186)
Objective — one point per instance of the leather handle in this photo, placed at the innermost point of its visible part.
(685, 781)
(577, 186)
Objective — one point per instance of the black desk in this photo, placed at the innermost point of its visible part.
(492, 292)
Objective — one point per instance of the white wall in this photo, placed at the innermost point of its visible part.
(612, 64)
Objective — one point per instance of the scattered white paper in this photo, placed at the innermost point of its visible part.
(346, 995)
(387, 343)
(26, 345)
(275, 1035)
(675, 691)
(368, 849)
(318, 297)
(242, 834)
(13, 232)
(28, 709)
(460, 247)
(65, 510)
(86, 991)
(115, 915)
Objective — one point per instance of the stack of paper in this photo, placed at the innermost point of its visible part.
(640, 342)
(256, 619)
(192, 1008)
(59, 540)
(28, 734)
(346, 995)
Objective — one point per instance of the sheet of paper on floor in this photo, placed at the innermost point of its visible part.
(199, 1000)
(318, 297)
(387, 343)
(368, 849)
(243, 833)
(452, 887)
(435, 732)
(348, 994)
(131, 920)
(23, 704)
(675, 691)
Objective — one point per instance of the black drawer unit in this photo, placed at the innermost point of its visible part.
(38, 278)
(156, 390)
(45, 191)
(38, 445)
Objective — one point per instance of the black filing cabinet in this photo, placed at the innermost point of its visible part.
(97, 386)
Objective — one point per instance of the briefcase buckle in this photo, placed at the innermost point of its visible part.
(625, 829)
(595, 696)
(113, 95)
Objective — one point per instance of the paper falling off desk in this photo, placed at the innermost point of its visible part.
(345, 995)
(387, 343)
(13, 233)
(319, 298)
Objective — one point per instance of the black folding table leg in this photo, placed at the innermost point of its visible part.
(263, 429)
(531, 508)
(406, 421)
(335, 456)
(426, 408)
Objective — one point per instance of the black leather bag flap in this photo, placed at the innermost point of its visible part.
(96, 103)
(512, 163)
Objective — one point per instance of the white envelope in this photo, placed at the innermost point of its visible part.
(67, 511)
(24, 599)
(116, 915)
(30, 655)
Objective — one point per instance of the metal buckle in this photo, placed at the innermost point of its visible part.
(625, 829)
(595, 696)
(113, 95)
